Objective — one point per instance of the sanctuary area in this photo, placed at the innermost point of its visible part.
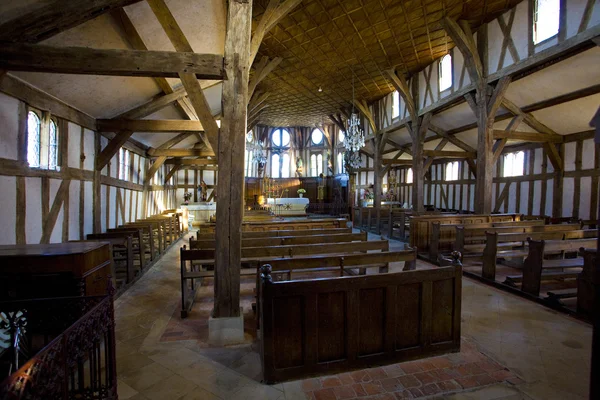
(299, 199)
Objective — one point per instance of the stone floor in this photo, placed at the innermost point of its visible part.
(542, 354)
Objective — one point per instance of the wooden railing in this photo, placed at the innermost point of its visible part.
(330, 325)
(67, 349)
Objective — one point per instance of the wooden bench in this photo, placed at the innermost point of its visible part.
(122, 258)
(506, 238)
(286, 233)
(139, 250)
(147, 234)
(192, 261)
(306, 325)
(158, 228)
(283, 240)
(535, 264)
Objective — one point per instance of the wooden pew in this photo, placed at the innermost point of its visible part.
(295, 224)
(121, 250)
(193, 260)
(421, 225)
(443, 235)
(286, 233)
(471, 242)
(137, 239)
(380, 315)
(493, 251)
(147, 235)
(283, 240)
(159, 231)
(535, 264)
(586, 289)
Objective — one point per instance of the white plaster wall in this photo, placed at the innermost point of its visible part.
(88, 149)
(9, 127)
(588, 154)
(74, 132)
(568, 189)
(585, 198)
(33, 218)
(8, 199)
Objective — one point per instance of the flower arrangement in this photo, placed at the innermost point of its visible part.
(187, 197)
(301, 191)
(369, 195)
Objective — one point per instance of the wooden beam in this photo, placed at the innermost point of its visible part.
(364, 108)
(87, 61)
(399, 82)
(179, 153)
(448, 154)
(190, 162)
(153, 168)
(158, 103)
(51, 217)
(257, 100)
(338, 121)
(393, 161)
(454, 140)
(173, 141)
(554, 156)
(510, 129)
(528, 118)
(264, 68)
(498, 95)
(172, 172)
(463, 38)
(528, 136)
(148, 125)
(111, 149)
(201, 107)
(170, 25)
(430, 160)
(232, 144)
(34, 21)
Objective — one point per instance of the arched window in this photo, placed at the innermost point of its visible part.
(514, 164)
(396, 104)
(52, 145)
(316, 164)
(275, 166)
(340, 163)
(546, 20)
(317, 136)
(33, 139)
(409, 176)
(445, 72)
(281, 138)
(124, 164)
(285, 165)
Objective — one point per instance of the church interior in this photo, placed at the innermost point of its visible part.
(299, 199)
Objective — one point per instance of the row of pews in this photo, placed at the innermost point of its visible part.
(552, 262)
(57, 330)
(393, 221)
(328, 299)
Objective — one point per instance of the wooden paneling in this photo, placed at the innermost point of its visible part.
(330, 325)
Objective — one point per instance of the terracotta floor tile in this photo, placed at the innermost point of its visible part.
(324, 394)
(391, 384)
(430, 389)
(361, 376)
(372, 388)
(409, 381)
(377, 373)
(344, 392)
(467, 382)
(411, 367)
(330, 382)
(312, 384)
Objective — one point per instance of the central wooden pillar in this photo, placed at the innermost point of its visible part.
(232, 144)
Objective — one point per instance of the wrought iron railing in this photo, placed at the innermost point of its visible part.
(62, 348)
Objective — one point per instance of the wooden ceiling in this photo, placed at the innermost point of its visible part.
(323, 42)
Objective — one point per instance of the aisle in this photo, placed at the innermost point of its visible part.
(549, 352)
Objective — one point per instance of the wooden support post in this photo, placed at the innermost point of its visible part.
(231, 154)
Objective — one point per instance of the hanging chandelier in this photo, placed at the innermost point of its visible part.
(355, 136)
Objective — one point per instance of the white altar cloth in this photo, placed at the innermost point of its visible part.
(201, 211)
(288, 205)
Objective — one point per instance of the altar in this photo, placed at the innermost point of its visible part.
(288, 206)
(201, 211)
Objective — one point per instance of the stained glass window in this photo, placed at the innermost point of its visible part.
(33, 139)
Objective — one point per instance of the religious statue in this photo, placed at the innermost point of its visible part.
(299, 167)
(329, 163)
(203, 191)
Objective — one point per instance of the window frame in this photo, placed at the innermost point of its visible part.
(320, 143)
(447, 56)
(513, 155)
(409, 173)
(395, 104)
(452, 164)
(535, 5)
(44, 146)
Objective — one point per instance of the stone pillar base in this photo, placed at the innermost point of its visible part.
(226, 331)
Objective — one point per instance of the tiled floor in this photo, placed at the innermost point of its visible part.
(548, 353)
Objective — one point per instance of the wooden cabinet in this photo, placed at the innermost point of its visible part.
(54, 270)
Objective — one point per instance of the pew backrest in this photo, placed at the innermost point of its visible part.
(286, 233)
(282, 241)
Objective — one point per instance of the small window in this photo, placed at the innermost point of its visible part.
(316, 164)
(124, 164)
(34, 127)
(249, 137)
(409, 176)
(317, 136)
(340, 163)
(546, 20)
(445, 72)
(514, 164)
(285, 166)
(248, 163)
(281, 138)
(275, 166)
(52, 146)
(341, 136)
(396, 105)
(452, 171)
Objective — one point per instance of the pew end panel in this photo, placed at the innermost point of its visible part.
(331, 325)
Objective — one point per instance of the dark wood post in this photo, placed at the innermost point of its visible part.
(232, 144)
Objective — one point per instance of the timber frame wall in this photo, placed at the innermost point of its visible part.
(506, 49)
(41, 206)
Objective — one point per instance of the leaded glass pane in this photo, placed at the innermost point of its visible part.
(33, 139)
(52, 146)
